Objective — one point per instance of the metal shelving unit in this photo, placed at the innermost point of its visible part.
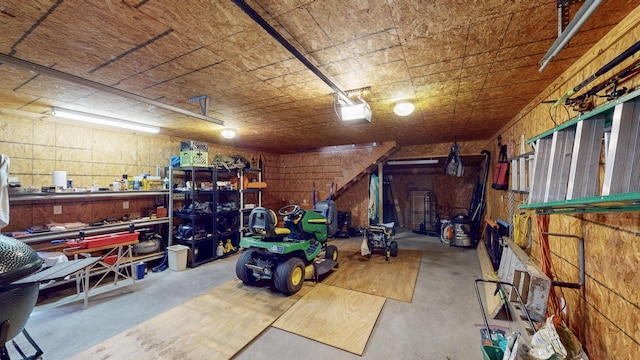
(205, 232)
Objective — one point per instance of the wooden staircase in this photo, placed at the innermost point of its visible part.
(365, 166)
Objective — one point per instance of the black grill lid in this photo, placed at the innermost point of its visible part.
(17, 260)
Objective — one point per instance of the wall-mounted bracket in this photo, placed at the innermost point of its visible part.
(203, 103)
(563, 13)
(581, 261)
(570, 30)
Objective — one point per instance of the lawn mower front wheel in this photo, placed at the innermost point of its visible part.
(331, 253)
(289, 276)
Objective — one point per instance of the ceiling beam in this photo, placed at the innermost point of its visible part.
(43, 70)
(287, 45)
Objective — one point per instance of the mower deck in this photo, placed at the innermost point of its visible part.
(323, 266)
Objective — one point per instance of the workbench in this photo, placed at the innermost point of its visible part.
(122, 265)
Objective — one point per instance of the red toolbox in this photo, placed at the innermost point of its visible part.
(104, 240)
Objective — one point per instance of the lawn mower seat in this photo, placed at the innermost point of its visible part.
(263, 221)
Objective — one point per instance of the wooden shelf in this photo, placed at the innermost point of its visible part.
(89, 231)
(83, 195)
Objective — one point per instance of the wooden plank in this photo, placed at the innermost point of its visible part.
(334, 316)
(396, 204)
(493, 303)
(215, 325)
(393, 279)
(417, 208)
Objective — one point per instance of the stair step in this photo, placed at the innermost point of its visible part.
(559, 165)
(540, 168)
(583, 177)
(622, 169)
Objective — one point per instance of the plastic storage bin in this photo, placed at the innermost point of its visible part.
(490, 352)
(177, 257)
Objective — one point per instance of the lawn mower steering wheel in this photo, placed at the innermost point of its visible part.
(289, 210)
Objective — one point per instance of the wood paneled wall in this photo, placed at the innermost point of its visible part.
(293, 178)
(90, 156)
(605, 313)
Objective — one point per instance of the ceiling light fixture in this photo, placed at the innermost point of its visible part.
(403, 108)
(103, 120)
(228, 133)
(357, 113)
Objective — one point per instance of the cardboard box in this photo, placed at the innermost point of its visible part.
(161, 212)
(194, 158)
(155, 184)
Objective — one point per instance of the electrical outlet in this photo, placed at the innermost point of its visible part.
(57, 209)
(125, 204)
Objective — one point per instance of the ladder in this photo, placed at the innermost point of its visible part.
(567, 159)
(521, 177)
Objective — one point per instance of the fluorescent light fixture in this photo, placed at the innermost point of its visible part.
(403, 108)
(228, 133)
(413, 162)
(358, 113)
(102, 120)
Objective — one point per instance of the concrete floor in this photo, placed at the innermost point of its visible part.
(440, 322)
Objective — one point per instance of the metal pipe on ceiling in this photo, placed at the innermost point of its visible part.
(579, 19)
(287, 45)
(39, 69)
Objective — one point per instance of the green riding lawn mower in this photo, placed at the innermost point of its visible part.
(290, 255)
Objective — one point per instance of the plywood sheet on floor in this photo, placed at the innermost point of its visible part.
(215, 325)
(335, 316)
(393, 279)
